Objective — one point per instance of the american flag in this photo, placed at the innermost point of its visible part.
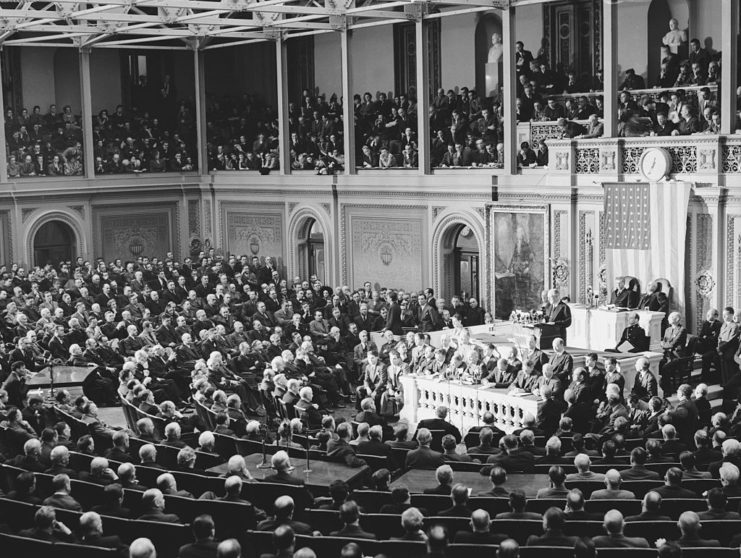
(627, 216)
(645, 226)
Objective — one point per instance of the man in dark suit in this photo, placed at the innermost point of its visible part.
(427, 317)
(340, 450)
(47, 528)
(153, 506)
(480, 532)
(633, 334)
(423, 457)
(517, 503)
(375, 445)
(91, 527)
(514, 460)
(689, 524)
(61, 497)
(650, 509)
(728, 343)
(638, 469)
(645, 386)
(614, 525)
(284, 508)
(282, 465)
(707, 342)
(673, 485)
(497, 476)
(204, 533)
(120, 450)
(459, 496)
(444, 476)
(558, 314)
(561, 364)
(350, 516)
(553, 535)
(393, 319)
(113, 496)
(440, 423)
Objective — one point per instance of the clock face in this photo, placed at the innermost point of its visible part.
(655, 164)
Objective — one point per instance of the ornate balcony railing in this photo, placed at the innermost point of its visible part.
(702, 155)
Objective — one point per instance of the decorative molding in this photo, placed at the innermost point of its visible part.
(291, 207)
(560, 272)
(208, 230)
(703, 236)
(194, 218)
(705, 284)
(436, 211)
(731, 256)
(80, 209)
(562, 160)
(344, 246)
(608, 160)
(706, 157)
(25, 212)
(557, 232)
(327, 207)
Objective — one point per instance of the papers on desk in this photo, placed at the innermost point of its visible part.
(625, 347)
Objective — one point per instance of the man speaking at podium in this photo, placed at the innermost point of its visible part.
(557, 315)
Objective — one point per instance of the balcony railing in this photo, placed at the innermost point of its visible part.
(697, 155)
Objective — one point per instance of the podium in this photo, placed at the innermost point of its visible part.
(546, 333)
(599, 328)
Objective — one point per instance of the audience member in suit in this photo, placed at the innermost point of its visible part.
(282, 465)
(423, 457)
(650, 509)
(717, 503)
(120, 450)
(112, 505)
(612, 490)
(412, 522)
(689, 524)
(341, 450)
(488, 419)
(444, 476)
(61, 498)
(557, 489)
(673, 485)
(549, 413)
(153, 506)
(350, 516)
(284, 508)
(59, 459)
(614, 525)
(459, 496)
(582, 464)
(400, 502)
(480, 532)
(574, 509)
(284, 541)
(486, 442)
(401, 433)
(517, 503)
(449, 453)
(553, 535)
(497, 476)
(204, 533)
(689, 467)
(440, 423)
(638, 469)
(91, 529)
(375, 445)
(514, 460)
(47, 528)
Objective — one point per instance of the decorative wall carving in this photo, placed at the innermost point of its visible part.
(608, 160)
(706, 157)
(208, 230)
(587, 160)
(254, 234)
(131, 234)
(587, 240)
(383, 246)
(731, 159)
(733, 260)
(6, 245)
(562, 160)
(194, 218)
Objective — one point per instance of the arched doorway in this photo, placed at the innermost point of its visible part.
(54, 242)
(461, 262)
(311, 250)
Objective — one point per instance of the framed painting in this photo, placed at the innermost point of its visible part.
(519, 249)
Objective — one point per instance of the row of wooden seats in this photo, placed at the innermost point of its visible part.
(332, 546)
(261, 494)
(372, 501)
(389, 525)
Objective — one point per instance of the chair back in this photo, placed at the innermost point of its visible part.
(166, 537)
(518, 529)
(722, 530)
(626, 507)
(581, 528)
(167, 456)
(324, 521)
(586, 487)
(489, 504)
(87, 493)
(83, 550)
(387, 524)
(403, 549)
(540, 505)
(471, 550)
(433, 503)
(653, 530)
(371, 500)
(225, 446)
(18, 515)
(14, 545)
(629, 552)
(549, 552)
(674, 507)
